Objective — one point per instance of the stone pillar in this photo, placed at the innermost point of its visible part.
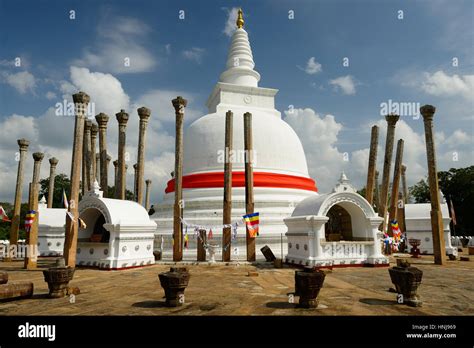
(52, 174)
(32, 236)
(102, 120)
(401, 213)
(391, 122)
(94, 130)
(147, 195)
(404, 184)
(108, 159)
(227, 206)
(249, 199)
(369, 188)
(144, 114)
(377, 191)
(135, 182)
(122, 118)
(439, 247)
(396, 183)
(86, 162)
(125, 181)
(15, 225)
(81, 100)
(115, 178)
(97, 167)
(179, 104)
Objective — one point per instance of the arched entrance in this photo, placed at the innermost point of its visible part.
(95, 231)
(339, 225)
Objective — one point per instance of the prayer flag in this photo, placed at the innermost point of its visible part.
(186, 240)
(65, 203)
(210, 234)
(3, 215)
(29, 219)
(453, 215)
(252, 221)
(82, 224)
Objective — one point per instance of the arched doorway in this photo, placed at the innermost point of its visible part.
(100, 234)
(95, 231)
(339, 225)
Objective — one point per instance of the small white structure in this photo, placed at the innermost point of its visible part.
(338, 229)
(51, 229)
(418, 226)
(119, 234)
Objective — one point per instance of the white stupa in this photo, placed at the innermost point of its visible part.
(281, 177)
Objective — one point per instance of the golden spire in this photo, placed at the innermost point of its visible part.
(240, 19)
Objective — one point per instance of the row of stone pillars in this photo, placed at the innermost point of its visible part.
(32, 236)
(85, 134)
(120, 167)
(381, 199)
(179, 104)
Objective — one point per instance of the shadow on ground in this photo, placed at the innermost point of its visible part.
(150, 304)
(281, 305)
(377, 302)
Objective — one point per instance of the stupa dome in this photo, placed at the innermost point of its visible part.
(280, 170)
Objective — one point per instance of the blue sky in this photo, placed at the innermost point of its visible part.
(406, 60)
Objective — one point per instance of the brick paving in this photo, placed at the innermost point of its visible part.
(220, 289)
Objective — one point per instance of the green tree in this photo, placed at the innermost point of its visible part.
(457, 186)
(420, 192)
(61, 182)
(128, 193)
(5, 226)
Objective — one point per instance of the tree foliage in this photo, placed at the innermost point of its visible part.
(457, 185)
(61, 182)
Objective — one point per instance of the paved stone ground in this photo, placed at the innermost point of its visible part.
(227, 290)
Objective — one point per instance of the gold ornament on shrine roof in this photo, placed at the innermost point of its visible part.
(240, 19)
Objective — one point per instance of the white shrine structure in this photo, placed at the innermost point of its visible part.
(118, 234)
(281, 178)
(418, 226)
(338, 229)
(51, 229)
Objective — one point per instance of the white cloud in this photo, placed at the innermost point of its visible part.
(50, 95)
(312, 66)
(53, 134)
(319, 136)
(105, 90)
(15, 127)
(22, 81)
(345, 83)
(458, 138)
(159, 101)
(194, 54)
(168, 49)
(442, 84)
(119, 40)
(230, 25)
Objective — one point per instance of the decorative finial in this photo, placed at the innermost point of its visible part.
(240, 19)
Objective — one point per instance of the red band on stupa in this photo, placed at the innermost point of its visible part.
(260, 179)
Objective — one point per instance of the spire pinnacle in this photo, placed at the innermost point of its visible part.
(240, 19)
